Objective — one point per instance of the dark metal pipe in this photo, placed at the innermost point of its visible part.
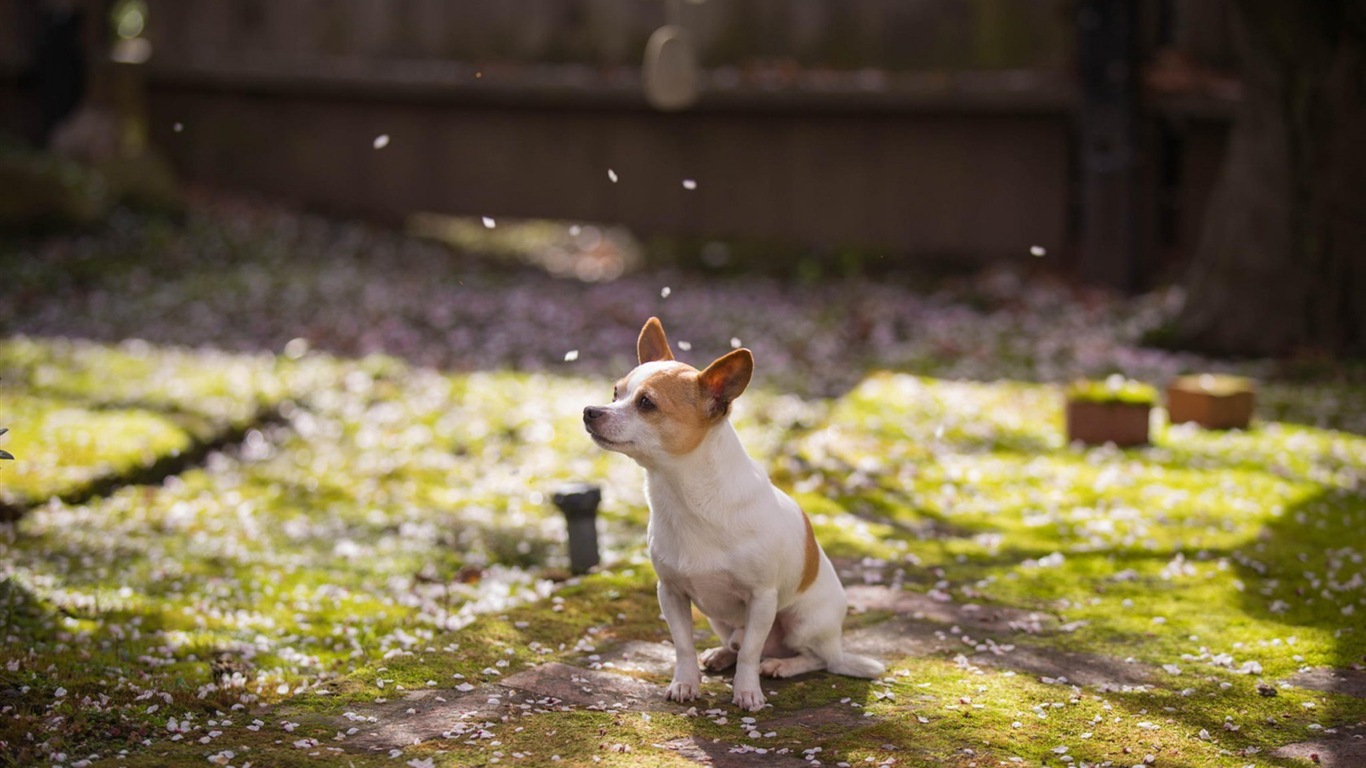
(579, 503)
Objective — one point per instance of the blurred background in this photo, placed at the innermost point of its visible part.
(1083, 137)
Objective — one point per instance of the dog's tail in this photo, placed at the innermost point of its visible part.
(853, 665)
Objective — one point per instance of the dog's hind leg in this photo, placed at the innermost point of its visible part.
(791, 666)
(839, 661)
(718, 659)
(826, 649)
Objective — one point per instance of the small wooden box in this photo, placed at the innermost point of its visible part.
(1124, 424)
(1213, 402)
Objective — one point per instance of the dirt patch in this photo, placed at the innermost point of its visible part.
(902, 638)
(967, 616)
(591, 688)
(432, 714)
(828, 720)
(723, 755)
(1085, 669)
(1344, 749)
(1351, 682)
(422, 716)
(642, 657)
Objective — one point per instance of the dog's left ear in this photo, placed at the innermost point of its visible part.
(653, 345)
(725, 379)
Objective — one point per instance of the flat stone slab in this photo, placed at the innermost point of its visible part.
(580, 687)
(724, 755)
(1344, 749)
(831, 717)
(899, 638)
(640, 656)
(967, 616)
(395, 726)
(1351, 682)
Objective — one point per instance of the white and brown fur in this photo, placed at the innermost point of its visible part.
(721, 536)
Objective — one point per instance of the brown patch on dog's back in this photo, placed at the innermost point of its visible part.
(679, 398)
(811, 566)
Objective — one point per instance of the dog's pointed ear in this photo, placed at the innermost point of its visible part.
(653, 345)
(725, 379)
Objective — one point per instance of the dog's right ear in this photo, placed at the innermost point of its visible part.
(725, 379)
(653, 345)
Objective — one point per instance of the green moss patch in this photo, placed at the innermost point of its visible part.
(1115, 390)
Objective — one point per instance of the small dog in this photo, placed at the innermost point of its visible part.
(721, 535)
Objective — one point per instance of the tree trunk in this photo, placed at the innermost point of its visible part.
(1281, 264)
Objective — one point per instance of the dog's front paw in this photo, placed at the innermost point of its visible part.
(718, 659)
(751, 699)
(680, 690)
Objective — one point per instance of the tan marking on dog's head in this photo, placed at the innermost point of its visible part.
(811, 565)
(666, 404)
(674, 401)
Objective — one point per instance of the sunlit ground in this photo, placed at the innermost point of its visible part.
(351, 438)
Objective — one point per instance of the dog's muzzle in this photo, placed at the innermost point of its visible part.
(592, 416)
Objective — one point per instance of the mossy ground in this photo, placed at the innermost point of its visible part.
(392, 534)
(360, 527)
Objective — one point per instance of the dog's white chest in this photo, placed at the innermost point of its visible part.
(719, 593)
(718, 570)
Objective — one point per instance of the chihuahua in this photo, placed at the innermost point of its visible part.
(721, 536)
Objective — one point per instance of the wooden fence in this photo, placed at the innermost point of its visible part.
(935, 129)
(843, 34)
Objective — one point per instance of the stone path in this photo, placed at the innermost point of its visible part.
(915, 625)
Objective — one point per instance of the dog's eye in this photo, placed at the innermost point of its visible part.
(614, 394)
(645, 403)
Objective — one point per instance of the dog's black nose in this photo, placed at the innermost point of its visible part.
(592, 412)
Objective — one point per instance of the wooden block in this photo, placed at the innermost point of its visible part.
(1213, 402)
(1123, 424)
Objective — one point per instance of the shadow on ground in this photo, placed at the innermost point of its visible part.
(1319, 538)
